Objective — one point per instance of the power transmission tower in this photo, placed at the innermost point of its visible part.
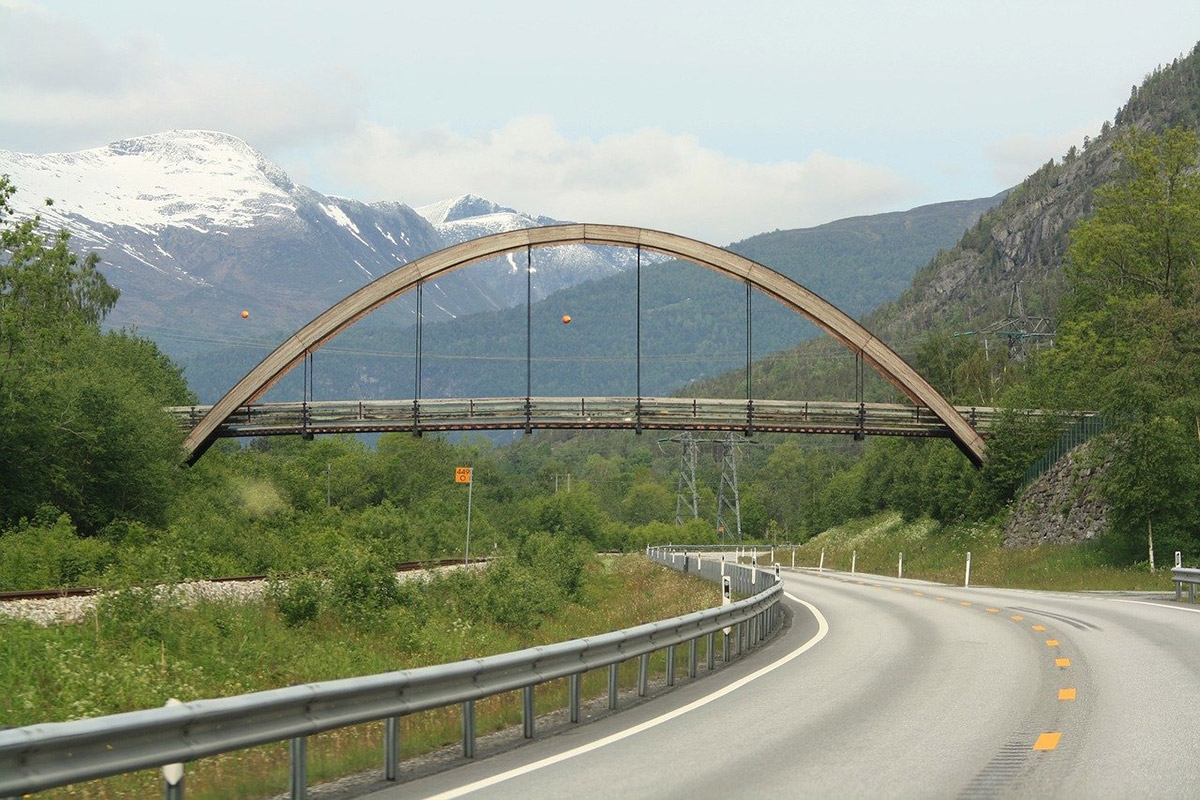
(728, 499)
(1018, 328)
(686, 485)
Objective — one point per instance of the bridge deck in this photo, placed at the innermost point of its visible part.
(623, 413)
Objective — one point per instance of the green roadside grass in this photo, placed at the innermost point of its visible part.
(938, 552)
(132, 654)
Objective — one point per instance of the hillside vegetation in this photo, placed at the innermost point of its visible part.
(1104, 243)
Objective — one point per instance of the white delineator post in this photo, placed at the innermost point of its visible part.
(900, 567)
(967, 579)
(821, 565)
(173, 773)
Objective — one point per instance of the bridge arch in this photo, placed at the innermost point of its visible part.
(819, 311)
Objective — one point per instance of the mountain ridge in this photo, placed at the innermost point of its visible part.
(195, 226)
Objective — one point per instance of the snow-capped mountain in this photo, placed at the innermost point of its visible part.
(195, 226)
(470, 217)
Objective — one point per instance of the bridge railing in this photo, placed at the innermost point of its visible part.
(582, 412)
(54, 754)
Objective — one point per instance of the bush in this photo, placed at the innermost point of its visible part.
(362, 585)
(298, 600)
(519, 596)
(47, 554)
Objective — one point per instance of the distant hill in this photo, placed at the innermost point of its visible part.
(1020, 242)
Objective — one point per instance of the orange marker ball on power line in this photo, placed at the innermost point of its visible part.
(245, 314)
(566, 319)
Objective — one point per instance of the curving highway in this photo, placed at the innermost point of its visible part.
(898, 688)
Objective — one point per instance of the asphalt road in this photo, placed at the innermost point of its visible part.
(899, 688)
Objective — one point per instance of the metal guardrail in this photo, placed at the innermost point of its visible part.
(59, 753)
(1188, 575)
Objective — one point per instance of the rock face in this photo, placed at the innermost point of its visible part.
(1062, 506)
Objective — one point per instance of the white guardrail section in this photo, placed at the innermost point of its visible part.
(53, 754)
(1188, 575)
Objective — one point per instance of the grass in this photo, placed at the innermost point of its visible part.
(938, 552)
(136, 653)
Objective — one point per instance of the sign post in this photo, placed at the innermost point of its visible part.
(463, 475)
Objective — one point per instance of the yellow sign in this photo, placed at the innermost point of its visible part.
(462, 474)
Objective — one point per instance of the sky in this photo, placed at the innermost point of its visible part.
(716, 120)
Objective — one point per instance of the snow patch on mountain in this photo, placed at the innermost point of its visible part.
(191, 179)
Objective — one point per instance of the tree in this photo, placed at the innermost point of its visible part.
(1145, 236)
(81, 422)
(1129, 339)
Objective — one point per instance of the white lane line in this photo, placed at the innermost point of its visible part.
(1155, 605)
(822, 629)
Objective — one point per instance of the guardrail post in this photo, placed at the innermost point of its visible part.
(391, 748)
(614, 678)
(527, 711)
(468, 728)
(573, 682)
(643, 673)
(298, 773)
(1178, 591)
(725, 646)
(671, 665)
(712, 651)
(692, 658)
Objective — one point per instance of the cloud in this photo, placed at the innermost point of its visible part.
(1014, 159)
(646, 177)
(66, 89)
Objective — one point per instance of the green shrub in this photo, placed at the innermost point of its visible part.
(362, 585)
(519, 596)
(47, 554)
(297, 600)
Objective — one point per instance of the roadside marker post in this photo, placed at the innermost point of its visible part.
(172, 773)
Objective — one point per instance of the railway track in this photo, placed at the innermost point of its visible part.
(87, 591)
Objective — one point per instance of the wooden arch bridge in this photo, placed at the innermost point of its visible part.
(238, 413)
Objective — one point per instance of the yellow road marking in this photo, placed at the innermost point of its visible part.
(1062, 663)
(1017, 617)
(964, 603)
(1039, 627)
(1052, 643)
(919, 594)
(1066, 694)
(939, 598)
(1047, 741)
(993, 611)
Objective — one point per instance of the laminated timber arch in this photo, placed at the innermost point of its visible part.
(820, 312)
